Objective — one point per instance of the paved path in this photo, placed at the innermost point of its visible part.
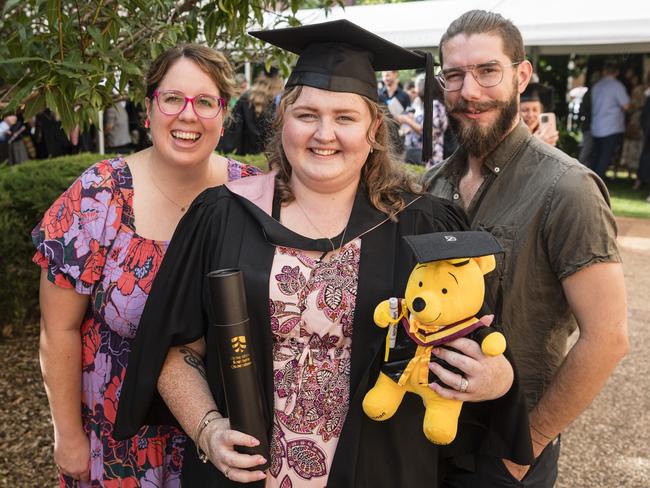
(609, 445)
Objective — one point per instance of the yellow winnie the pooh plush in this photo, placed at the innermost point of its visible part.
(443, 294)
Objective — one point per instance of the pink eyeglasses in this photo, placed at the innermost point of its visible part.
(173, 102)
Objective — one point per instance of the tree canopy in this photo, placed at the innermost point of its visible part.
(76, 57)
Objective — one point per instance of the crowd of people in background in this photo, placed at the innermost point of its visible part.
(615, 123)
(43, 137)
(612, 112)
(407, 108)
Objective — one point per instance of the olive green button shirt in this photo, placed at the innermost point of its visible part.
(552, 216)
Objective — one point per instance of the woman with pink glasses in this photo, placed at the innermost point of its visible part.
(100, 246)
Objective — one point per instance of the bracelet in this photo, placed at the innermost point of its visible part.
(203, 457)
(201, 425)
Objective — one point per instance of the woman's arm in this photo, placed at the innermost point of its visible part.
(410, 121)
(62, 311)
(17, 134)
(183, 385)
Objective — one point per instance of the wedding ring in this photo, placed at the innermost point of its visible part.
(226, 472)
(464, 384)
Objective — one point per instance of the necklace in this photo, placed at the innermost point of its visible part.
(322, 234)
(182, 208)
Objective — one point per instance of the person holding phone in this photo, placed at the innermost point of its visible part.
(535, 99)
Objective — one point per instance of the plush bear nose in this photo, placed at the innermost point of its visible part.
(419, 304)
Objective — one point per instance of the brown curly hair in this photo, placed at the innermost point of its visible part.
(383, 176)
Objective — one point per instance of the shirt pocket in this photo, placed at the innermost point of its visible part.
(496, 279)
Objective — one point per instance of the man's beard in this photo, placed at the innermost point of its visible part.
(479, 142)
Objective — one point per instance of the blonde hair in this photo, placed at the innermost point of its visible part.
(263, 91)
(209, 60)
(382, 175)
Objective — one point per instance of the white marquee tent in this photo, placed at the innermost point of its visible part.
(548, 26)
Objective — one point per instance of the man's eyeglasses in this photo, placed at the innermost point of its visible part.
(486, 74)
(173, 102)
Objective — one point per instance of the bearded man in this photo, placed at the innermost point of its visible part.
(561, 265)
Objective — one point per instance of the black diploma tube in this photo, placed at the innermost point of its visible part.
(244, 394)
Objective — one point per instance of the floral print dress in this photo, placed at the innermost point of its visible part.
(312, 301)
(87, 241)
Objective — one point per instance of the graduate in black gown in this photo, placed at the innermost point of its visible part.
(319, 241)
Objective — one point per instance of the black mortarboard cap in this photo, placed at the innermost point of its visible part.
(341, 56)
(452, 245)
(536, 92)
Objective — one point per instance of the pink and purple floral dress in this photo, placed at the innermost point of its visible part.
(87, 241)
(312, 304)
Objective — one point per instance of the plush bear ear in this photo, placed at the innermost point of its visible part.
(486, 263)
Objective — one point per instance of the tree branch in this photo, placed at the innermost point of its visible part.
(60, 22)
(128, 43)
(81, 33)
(186, 6)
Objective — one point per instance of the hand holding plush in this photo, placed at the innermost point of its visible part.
(443, 294)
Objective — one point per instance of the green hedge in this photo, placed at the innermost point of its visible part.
(26, 191)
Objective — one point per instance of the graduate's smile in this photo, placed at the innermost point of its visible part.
(325, 138)
(323, 152)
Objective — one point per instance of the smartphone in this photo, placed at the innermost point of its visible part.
(547, 121)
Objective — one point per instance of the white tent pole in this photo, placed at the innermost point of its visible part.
(247, 72)
(100, 133)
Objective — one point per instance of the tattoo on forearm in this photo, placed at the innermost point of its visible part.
(194, 360)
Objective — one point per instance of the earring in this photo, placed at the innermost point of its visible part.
(222, 131)
(146, 123)
(372, 149)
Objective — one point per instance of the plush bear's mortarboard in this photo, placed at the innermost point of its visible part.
(452, 245)
(536, 92)
(340, 56)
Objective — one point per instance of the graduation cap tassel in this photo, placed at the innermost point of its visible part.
(427, 129)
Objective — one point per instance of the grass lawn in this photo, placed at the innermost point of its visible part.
(627, 202)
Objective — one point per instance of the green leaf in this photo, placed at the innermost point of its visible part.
(64, 108)
(17, 98)
(210, 29)
(52, 18)
(23, 60)
(96, 34)
(131, 68)
(50, 100)
(35, 105)
(10, 5)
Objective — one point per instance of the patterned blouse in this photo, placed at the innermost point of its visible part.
(312, 304)
(413, 139)
(87, 241)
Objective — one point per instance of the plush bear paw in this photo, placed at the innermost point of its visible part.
(382, 315)
(440, 436)
(374, 407)
(494, 344)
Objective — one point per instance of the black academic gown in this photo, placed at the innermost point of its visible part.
(246, 132)
(223, 230)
